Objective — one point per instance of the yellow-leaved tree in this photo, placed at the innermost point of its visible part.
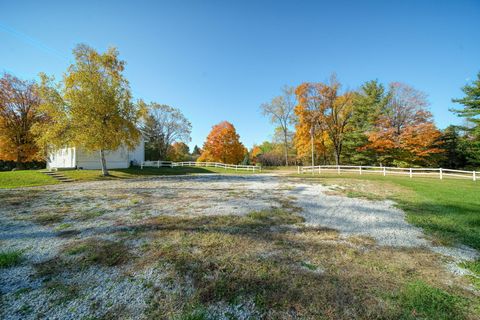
(223, 145)
(91, 108)
(325, 113)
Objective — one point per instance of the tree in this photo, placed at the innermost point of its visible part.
(19, 112)
(91, 108)
(327, 110)
(179, 151)
(471, 106)
(454, 151)
(280, 110)
(196, 152)
(223, 145)
(368, 104)
(404, 132)
(163, 126)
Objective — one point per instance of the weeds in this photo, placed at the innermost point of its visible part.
(10, 258)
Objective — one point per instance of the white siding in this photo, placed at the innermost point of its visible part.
(138, 154)
(81, 159)
(62, 158)
(115, 159)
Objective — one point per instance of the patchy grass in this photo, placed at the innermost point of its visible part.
(288, 270)
(474, 267)
(65, 292)
(49, 218)
(83, 254)
(24, 178)
(446, 209)
(100, 252)
(10, 258)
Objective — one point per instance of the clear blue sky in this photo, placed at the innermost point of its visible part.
(219, 60)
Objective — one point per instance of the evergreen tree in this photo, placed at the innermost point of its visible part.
(454, 155)
(471, 107)
(368, 104)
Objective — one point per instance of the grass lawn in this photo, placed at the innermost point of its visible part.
(447, 209)
(24, 178)
(28, 178)
(88, 175)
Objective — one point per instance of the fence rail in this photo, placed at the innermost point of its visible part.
(170, 164)
(429, 172)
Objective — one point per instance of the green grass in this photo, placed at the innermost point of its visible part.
(448, 210)
(25, 178)
(29, 178)
(421, 301)
(89, 175)
(10, 258)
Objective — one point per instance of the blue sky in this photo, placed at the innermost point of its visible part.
(219, 60)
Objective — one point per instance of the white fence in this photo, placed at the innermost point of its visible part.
(170, 164)
(411, 172)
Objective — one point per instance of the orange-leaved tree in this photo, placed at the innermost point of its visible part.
(19, 111)
(223, 145)
(327, 111)
(179, 151)
(322, 146)
(404, 133)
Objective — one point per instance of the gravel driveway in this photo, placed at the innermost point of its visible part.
(107, 208)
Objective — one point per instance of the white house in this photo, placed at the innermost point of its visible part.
(76, 158)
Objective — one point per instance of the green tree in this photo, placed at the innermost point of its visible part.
(196, 152)
(454, 155)
(471, 106)
(91, 108)
(368, 104)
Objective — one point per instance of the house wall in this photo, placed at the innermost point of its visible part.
(115, 159)
(78, 158)
(62, 158)
(138, 154)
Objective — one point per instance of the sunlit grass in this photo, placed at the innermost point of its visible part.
(448, 209)
(24, 178)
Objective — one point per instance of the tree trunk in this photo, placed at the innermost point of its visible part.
(19, 163)
(286, 147)
(338, 151)
(104, 163)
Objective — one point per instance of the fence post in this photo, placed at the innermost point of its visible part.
(441, 174)
(384, 171)
(360, 170)
(338, 169)
(410, 172)
(298, 169)
(474, 176)
(158, 164)
(236, 167)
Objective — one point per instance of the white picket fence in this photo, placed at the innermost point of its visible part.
(170, 164)
(411, 172)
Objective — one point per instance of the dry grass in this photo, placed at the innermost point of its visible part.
(82, 254)
(289, 270)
